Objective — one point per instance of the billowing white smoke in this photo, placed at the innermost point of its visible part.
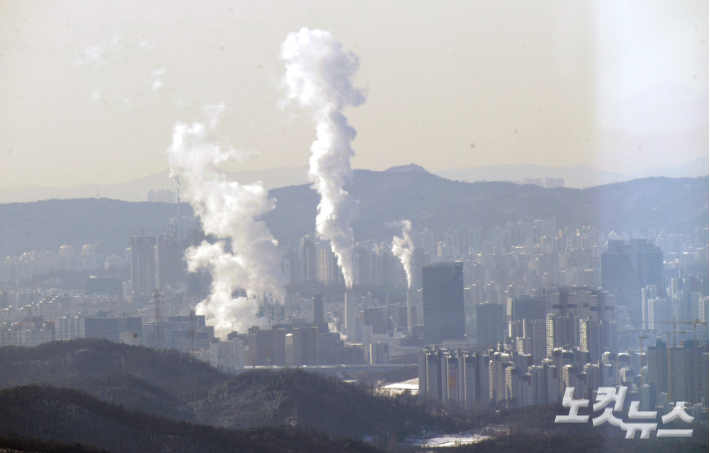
(403, 248)
(245, 255)
(318, 76)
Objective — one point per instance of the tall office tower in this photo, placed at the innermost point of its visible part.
(444, 317)
(657, 356)
(629, 266)
(143, 265)
(527, 307)
(490, 324)
(318, 309)
(172, 268)
(602, 307)
(688, 378)
(326, 260)
(310, 261)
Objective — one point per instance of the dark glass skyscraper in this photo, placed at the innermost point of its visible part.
(629, 266)
(442, 292)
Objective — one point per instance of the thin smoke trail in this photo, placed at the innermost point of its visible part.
(403, 248)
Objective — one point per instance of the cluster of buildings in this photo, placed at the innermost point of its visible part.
(529, 349)
(510, 315)
(29, 264)
(507, 378)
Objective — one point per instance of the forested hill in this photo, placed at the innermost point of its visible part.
(56, 414)
(131, 399)
(427, 200)
(174, 385)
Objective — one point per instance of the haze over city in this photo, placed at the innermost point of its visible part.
(90, 91)
(337, 227)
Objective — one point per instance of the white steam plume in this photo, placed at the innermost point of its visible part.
(403, 248)
(318, 77)
(228, 211)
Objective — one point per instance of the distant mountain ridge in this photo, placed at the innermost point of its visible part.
(578, 176)
(429, 201)
(278, 177)
(138, 189)
(433, 202)
(408, 168)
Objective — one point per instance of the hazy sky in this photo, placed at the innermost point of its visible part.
(90, 91)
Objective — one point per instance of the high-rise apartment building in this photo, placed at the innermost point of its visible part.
(590, 338)
(172, 268)
(310, 261)
(530, 337)
(143, 265)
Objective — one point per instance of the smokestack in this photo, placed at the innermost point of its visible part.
(318, 77)
(409, 311)
(350, 310)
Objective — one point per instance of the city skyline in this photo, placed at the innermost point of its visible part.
(204, 245)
